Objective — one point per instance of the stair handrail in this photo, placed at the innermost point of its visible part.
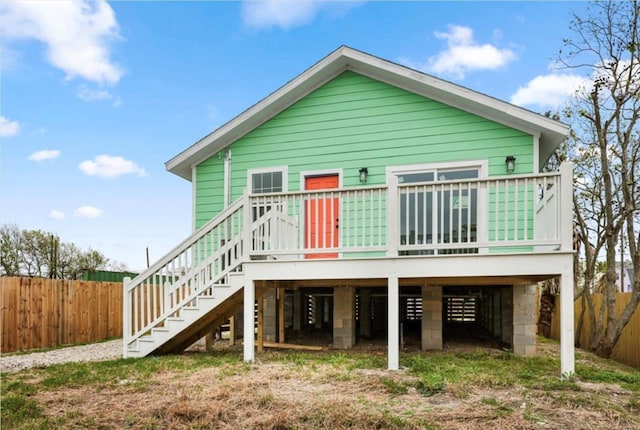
(195, 293)
(185, 244)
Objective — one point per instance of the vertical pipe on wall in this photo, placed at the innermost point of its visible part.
(227, 178)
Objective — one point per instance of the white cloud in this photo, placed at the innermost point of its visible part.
(45, 154)
(88, 212)
(8, 128)
(91, 95)
(289, 13)
(464, 54)
(549, 91)
(56, 215)
(88, 95)
(280, 13)
(108, 166)
(77, 34)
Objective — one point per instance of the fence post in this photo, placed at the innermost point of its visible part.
(126, 316)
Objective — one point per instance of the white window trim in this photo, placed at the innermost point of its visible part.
(316, 173)
(283, 169)
(482, 165)
(483, 170)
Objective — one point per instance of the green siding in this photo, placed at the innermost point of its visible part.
(355, 121)
(209, 190)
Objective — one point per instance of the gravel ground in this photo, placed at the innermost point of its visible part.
(92, 352)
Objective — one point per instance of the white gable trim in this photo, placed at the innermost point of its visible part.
(550, 132)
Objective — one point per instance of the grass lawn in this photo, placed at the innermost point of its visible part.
(472, 389)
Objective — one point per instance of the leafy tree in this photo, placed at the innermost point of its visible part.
(605, 147)
(40, 254)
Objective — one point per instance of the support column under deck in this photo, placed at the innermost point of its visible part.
(524, 320)
(393, 336)
(504, 315)
(249, 327)
(270, 316)
(431, 318)
(344, 319)
(567, 341)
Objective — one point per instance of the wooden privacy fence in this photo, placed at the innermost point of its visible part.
(627, 349)
(38, 313)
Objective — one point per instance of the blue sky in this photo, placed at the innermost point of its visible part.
(96, 96)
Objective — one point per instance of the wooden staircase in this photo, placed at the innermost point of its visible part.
(191, 322)
(196, 286)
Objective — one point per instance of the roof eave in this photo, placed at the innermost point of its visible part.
(318, 74)
(551, 132)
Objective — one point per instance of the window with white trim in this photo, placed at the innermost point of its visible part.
(265, 181)
(439, 214)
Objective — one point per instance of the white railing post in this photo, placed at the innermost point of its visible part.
(126, 316)
(247, 245)
(167, 296)
(393, 203)
(565, 202)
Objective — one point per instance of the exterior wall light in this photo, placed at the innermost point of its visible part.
(511, 163)
(364, 172)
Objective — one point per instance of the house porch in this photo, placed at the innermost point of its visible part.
(435, 238)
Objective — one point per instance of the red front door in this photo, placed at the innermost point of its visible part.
(322, 217)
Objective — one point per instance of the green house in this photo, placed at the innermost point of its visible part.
(364, 200)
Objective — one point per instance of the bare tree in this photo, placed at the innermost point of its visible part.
(605, 147)
(10, 238)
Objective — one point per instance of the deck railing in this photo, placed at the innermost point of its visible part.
(305, 223)
(516, 213)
